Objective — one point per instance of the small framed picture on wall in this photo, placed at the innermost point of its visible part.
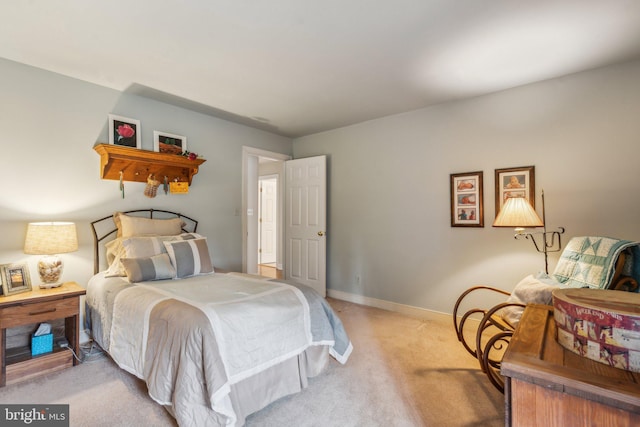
(467, 200)
(124, 131)
(515, 182)
(164, 142)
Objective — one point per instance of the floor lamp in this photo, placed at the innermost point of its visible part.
(517, 212)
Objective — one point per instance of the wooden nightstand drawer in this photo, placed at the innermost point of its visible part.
(38, 312)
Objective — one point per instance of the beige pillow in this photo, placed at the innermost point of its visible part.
(129, 226)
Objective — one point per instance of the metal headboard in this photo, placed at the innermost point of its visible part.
(104, 227)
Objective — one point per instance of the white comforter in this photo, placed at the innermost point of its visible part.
(226, 328)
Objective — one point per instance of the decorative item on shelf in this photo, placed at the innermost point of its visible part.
(177, 187)
(169, 143)
(124, 131)
(50, 239)
(189, 155)
(151, 189)
(15, 278)
(122, 183)
(517, 212)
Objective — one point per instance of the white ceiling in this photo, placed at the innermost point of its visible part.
(297, 67)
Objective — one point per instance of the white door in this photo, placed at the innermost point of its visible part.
(267, 220)
(306, 221)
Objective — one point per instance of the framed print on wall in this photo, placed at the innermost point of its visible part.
(164, 142)
(15, 278)
(466, 200)
(515, 182)
(124, 131)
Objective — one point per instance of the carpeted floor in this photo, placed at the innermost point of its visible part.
(403, 372)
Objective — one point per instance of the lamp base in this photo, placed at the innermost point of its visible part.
(50, 285)
(50, 268)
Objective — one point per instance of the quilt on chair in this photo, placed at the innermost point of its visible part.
(590, 261)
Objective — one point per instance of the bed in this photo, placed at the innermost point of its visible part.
(212, 347)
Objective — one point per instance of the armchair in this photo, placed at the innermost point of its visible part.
(594, 262)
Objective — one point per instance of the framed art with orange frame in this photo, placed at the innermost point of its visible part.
(515, 182)
(466, 200)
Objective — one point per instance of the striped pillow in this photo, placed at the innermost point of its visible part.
(157, 267)
(190, 257)
(138, 247)
(142, 247)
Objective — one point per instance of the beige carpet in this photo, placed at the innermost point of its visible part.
(403, 372)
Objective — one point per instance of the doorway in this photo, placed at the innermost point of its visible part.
(305, 231)
(258, 163)
(268, 225)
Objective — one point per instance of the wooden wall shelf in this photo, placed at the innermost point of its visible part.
(136, 165)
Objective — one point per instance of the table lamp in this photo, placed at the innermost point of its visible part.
(50, 239)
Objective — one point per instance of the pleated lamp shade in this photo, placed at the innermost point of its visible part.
(50, 238)
(517, 212)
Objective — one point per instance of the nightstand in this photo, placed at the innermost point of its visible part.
(37, 306)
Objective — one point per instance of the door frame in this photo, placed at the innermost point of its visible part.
(250, 160)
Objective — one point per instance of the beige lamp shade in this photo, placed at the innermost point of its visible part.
(517, 212)
(50, 239)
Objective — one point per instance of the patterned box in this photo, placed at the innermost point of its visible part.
(41, 344)
(601, 325)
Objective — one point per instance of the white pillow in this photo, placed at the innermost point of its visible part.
(530, 290)
(113, 250)
(190, 257)
(157, 267)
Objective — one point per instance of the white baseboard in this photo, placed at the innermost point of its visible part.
(408, 310)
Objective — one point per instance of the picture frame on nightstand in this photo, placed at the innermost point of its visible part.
(15, 279)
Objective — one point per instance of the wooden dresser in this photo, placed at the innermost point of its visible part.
(547, 385)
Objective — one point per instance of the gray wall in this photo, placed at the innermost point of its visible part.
(389, 234)
(51, 172)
